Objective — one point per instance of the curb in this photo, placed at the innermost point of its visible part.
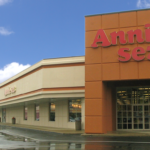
(118, 135)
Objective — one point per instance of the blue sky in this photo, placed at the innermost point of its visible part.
(32, 30)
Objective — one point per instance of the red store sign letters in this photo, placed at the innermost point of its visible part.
(124, 56)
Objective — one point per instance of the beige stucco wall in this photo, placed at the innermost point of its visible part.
(47, 62)
(48, 78)
(61, 115)
(26, 84)
(73, 76)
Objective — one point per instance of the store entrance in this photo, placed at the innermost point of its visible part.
(133, 108)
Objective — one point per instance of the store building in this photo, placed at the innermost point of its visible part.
(117, 78)
(108, 89)
(49, 93)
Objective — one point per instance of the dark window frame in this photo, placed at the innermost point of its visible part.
(25, 113)
(72, 116)
(52, 114)
(37, 118)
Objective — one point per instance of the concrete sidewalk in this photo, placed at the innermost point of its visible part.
(42, 128)
(78, 132)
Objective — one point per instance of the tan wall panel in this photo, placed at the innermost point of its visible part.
(107, 106)
(110, 54)
(89, 38)
(93, 72)
(61, 108)
(14, 112)
(110, 21)
(31, 115)
(144, 71)
(107, 101)
(93, 124)
(93, 107)
(64, 77)
(107, 124)
(93, 89)
(93, 56)
(93, 23)
(27, 84)
(129, 70)
(143, 17)
(127, 19)
(110, 71)
(44, 110)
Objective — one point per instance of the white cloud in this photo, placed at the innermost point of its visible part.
(3, 2)
(4, 31)
(143, 3)
(11, 69)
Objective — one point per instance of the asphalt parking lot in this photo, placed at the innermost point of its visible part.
(28, 139)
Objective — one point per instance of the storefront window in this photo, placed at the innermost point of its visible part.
(52, 112)
(4, 115)
(74, 110)
(25, 113)
(37, 112)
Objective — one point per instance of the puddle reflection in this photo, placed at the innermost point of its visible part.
(9, 142)
(75, 146)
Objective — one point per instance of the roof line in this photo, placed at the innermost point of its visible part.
(118, 12)
(65, 57)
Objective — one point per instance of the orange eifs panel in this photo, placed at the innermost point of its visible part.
(93, 124)
(93, 89)
(116, 49)
(93, 72)
(91, 108)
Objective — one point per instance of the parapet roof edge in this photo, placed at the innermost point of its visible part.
(118, 12)
(43, 62)
(64, 57)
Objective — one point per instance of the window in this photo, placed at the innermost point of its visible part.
(37, 112)
(3, 114)
(52, 112)
(25, 113)
(74, 110)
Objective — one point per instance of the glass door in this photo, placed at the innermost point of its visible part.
(133, 108)
(124, 117)
(138, 120)
(147, 116)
